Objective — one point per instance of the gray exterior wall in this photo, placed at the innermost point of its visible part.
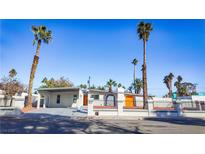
(66, 99)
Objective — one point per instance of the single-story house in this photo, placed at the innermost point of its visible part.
(77, 97)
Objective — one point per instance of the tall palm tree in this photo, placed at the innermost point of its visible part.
(143, 30)
(134, 62)
(41, 34)
(137, 86)
(111, 83)
(168, 81)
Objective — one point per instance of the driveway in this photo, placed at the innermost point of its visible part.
(67, 112)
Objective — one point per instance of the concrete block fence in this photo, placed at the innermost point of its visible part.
(120, 111)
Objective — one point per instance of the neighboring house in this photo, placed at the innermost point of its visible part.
(76, 97)
(1, 92)
(18, 100)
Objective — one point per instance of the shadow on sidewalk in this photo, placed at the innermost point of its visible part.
(180, 121)
(35, 123)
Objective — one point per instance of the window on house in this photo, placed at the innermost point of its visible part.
(75, 98)
(95, 97)
(58, 99)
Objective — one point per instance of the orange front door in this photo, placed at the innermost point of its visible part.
(129, 101)
(85, 100)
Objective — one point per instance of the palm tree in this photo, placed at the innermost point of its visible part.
(111, 83)
(12, 73)
(170, 76)
(134, 62)
(178, 85)
(143, 31)
(179, 79)
(130, 89)
(168, 81)
(41, 34)
(119, 85)
(137, 86)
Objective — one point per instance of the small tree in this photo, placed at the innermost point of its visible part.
(92, 87)
(83, 86)
(52, 83)
(185, 88)
(101, 88)
(10, 86)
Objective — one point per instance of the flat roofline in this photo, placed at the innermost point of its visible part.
(77, 88)
(106, 91)
(59, 88)
(97, 90)
(127, 93)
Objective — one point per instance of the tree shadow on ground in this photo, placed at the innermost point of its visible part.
(34, 123)
(180, 121)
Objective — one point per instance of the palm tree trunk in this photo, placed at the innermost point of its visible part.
(110, 89)
(170, 93)
(11, 101)
(32, 75)
(145, 105)
(134, 73)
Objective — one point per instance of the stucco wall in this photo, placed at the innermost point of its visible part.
(106, 112)
(66, 99)
(100, 101)
(198, 98)
(196, 114)
(18, 101)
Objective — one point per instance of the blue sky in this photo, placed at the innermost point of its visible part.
(104, 49)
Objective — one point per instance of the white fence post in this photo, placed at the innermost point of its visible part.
(38, 101)
(120, 104)
(199, 106)
(90, 107)
(150, 107)
(179, 108)
(120, 100)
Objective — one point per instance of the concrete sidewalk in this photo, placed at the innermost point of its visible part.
(42, 123)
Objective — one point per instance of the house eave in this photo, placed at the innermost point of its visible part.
(59, 89)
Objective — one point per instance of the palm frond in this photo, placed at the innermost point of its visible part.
(34, 29)
(143, 30)
(41, 33)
